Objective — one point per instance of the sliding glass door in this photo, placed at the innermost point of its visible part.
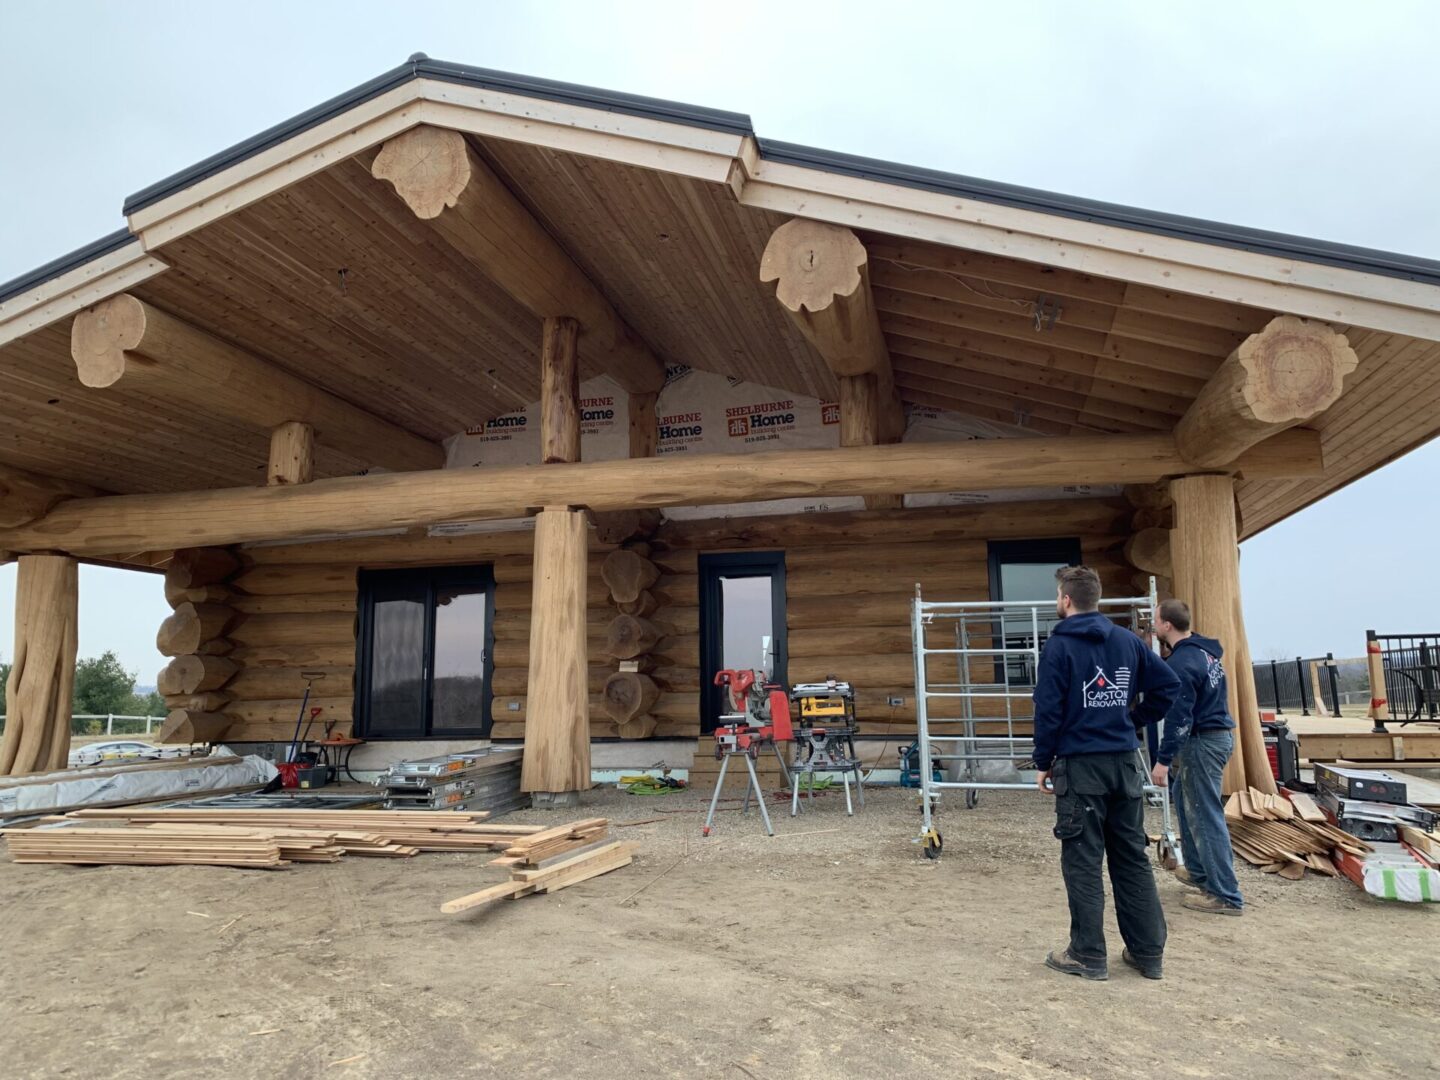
(425, 649)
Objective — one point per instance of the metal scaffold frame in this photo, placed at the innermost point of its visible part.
(1012, 633)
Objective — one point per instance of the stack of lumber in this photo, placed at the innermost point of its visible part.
(1286, 836)
(552, 860)
(143, 847)
(364, 832)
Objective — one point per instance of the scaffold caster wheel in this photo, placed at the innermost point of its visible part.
(972, 799)
(1165, 854)
(934, 844)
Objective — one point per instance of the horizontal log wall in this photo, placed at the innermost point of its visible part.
(849, 581)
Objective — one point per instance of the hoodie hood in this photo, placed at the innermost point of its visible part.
(1200, 641)
(1090, 625)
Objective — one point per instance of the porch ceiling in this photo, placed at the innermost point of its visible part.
(331, 277)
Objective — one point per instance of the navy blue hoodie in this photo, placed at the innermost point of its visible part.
(1090, 671)
(1201, 704)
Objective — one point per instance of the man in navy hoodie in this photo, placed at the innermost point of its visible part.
(1087, 720)
(1198, 741)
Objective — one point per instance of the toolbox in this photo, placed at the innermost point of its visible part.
(1365, 784)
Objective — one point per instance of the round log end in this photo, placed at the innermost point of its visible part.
(812, 262)
(429, 168)
(1295, 369)
(100, 336)
(628, 695)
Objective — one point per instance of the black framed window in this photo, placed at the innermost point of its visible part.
(1025, 570)
(425, 650)
(742, 622)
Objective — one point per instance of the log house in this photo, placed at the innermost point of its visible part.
(912, 380)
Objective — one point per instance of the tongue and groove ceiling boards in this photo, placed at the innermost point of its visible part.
(1050, 314)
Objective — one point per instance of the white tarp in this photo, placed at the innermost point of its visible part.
(80, 787)
(699, 412)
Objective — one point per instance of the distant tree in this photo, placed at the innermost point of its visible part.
(151, 704)
(103, 686)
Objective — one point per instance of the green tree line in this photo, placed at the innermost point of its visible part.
(103, 687)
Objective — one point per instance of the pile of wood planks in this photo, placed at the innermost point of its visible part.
(145, 847)
(1286, 836)
(551, 860)
(295, 836)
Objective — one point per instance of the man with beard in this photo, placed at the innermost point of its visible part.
(1090, 676)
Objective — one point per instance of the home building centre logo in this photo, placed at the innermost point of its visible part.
(1105, 692)
(762, 420)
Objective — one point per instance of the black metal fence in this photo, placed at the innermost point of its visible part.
(1287, 686)
(1412, 675)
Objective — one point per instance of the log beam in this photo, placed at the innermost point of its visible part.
(441, 178)
(1288, 373)
(124, 341)
(557, 703)
(366, 503)
(1206, 559)
(822, 280)
(24, 496)
(42, 677)
(292, 454)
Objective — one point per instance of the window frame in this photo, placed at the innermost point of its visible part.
(711, 569)
(1041, 551)
(431, 579)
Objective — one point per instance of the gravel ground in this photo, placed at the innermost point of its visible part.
(831, 949)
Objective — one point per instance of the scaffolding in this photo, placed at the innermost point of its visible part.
(979, 726)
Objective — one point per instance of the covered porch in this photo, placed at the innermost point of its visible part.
(473, 370)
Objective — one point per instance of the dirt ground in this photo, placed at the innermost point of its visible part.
(832, 949)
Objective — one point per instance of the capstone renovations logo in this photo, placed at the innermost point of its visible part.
(1213, 671)
(1105, 692)
(761, 421)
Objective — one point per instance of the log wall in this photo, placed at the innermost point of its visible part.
(849, 580)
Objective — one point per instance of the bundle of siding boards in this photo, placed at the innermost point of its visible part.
(1286, 836)
(260, 838)
(550, 861)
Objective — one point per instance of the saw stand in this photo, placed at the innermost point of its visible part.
(824, 742)
(764, 722)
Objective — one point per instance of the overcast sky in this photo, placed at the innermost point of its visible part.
(1313, 117)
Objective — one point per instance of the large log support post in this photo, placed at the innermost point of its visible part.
(42, 677)
(1205, 556)
(822, 280)
(557, 705)
(125, 341)
(1288, 373)
(292, 454)
(444, 181)
(644, 426)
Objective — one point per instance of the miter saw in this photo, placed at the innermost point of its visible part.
(759, 718)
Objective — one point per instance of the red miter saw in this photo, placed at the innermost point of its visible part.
(760, 719)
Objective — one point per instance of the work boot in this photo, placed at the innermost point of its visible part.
(1151, 969)
(1184, 877)
(1061, 960)
(1211, 905)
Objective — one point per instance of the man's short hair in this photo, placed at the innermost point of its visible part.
(1081, 584)
(1176, 613)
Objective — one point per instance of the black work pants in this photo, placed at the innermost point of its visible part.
(1100, 814)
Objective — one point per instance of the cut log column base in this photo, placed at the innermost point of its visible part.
(554, 800)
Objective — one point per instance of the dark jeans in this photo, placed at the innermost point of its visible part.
(1100, 813)
(1204, 835)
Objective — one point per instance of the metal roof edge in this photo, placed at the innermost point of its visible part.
(65, 263)
(420, 66)
(1200, 230)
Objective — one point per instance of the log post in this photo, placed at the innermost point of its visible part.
(861, 407)
(644, 428)
(1288, 373)
(125, 341)
(1206, 560)
(292, 454)
(557, 706)
(42, 678)
(559, 392)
